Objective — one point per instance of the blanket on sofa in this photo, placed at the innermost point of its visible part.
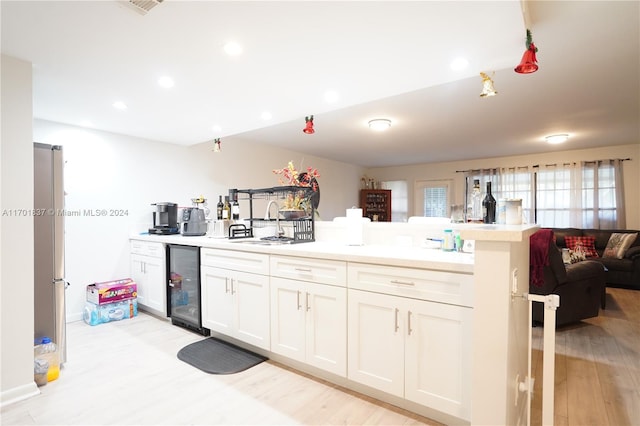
(539, 255)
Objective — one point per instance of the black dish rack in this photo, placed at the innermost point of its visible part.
(303, 228)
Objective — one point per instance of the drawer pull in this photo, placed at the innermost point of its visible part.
(411, 283)
(397, 327)
(308, 270)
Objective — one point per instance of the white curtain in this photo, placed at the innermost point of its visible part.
(559, 196)
(604, 194)
(581, 195)
(517, 183)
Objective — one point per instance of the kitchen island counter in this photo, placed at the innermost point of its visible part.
(468, 295)
(392, 255)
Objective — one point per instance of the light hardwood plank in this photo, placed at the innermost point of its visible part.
(597, 366)
(127, 372)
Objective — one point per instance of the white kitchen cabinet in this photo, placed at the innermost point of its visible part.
(235, 303)
(416, 349)
(376, 341)
(308, 323)
(148, 270)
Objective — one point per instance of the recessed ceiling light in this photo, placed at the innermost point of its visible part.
(266, 115)
(459, 64)
(119, 105)
(216, 128)
(331, 96)
(379, 124)
(166, 82)
(556, 139)
(232, 48)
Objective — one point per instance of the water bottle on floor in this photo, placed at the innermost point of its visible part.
(48, 351)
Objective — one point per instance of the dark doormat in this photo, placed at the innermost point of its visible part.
(219, 357)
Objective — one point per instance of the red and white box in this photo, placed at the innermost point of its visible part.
(112, 291)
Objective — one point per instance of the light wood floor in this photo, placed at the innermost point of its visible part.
(597, 378)
(127, 372)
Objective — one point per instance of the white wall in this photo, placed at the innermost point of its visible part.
(16, 233)
(110, 172)
(447, 170)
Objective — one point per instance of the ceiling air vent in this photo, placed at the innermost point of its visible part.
(143, 6)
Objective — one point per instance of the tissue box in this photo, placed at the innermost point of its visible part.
(98, 314)
(112, 291)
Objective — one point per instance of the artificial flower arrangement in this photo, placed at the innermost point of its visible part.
(291, 177)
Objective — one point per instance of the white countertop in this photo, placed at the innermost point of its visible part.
(392, 255)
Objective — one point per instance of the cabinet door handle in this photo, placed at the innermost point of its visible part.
(397, 326)
(226, 284)
(409, 323)
(232, 290)
(411, 283)
(307, 302)
(299, 305)
(171, 284)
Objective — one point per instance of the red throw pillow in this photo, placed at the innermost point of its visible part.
(588, 245)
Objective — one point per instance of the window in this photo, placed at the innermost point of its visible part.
(399, 202)
(586, 195)
(432, 198)
(580, 195)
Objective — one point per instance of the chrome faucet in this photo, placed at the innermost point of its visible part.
(267, 216)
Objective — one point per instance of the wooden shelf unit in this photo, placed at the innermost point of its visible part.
(376, 204)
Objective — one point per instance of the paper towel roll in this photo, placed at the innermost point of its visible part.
(354, 226)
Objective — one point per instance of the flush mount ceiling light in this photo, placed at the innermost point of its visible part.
(331, 96)
(379, 124)
(487, 86)
(232, 48)
(166, 82)
(556, 139)
(459, 64)
(119, 105)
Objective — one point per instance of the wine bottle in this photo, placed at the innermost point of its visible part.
(489, 206)
(235, 209)
(226, 209)
(219, 208)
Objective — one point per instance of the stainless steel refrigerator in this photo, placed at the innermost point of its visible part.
(48, 222)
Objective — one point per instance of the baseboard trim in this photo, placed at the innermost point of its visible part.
(18, 393)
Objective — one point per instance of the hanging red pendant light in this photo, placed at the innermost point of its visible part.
(528, 63)
(308, 128)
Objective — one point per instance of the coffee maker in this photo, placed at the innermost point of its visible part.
(165, 219)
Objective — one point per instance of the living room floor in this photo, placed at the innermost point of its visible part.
(127, 372)
(597, 366)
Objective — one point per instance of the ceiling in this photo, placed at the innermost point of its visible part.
(384, 59)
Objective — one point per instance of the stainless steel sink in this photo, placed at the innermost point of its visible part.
(268, 241)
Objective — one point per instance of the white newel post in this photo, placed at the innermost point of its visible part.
(500, 323)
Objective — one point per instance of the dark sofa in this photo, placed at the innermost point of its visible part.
(623, 272)
(581, 288)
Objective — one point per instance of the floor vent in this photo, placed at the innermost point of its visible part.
(143, 6)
